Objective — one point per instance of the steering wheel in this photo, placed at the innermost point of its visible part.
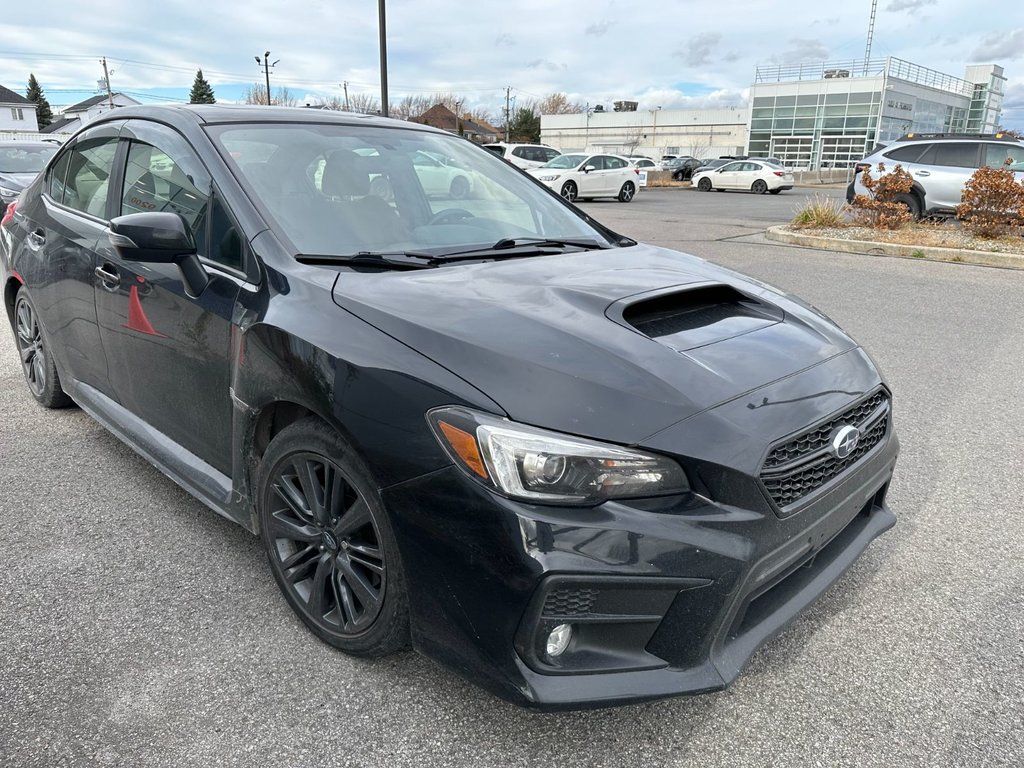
(450, 216)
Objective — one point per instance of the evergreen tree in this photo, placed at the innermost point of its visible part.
(201, 92)
(525, 126)
(44, 115)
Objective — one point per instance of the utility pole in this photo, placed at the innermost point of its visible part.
(383, 60)
(508, 113)
(106, 79)
(345, 86)
(266, 71)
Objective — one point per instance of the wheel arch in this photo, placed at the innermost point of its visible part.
(11, 288)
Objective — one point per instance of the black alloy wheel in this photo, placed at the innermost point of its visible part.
(569, 191)
(329, 542)
(704, 185)
(627, 192)
(36, 361)
(760, 186)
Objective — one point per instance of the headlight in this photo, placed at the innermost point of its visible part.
(7, 192)
(547, 467)
(549, 178)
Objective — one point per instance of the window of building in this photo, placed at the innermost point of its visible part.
(17, 113)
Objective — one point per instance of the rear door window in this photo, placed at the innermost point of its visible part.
(965, 154)
(88, 176)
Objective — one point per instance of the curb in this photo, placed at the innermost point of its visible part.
(983, 258)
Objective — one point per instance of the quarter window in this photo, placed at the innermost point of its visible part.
(907, 154)
(56, 175)
(997, 155)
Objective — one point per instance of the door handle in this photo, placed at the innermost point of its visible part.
(37, 238)
(923, 173)
(108, 276)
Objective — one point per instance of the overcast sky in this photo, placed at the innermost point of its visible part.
(684, 53)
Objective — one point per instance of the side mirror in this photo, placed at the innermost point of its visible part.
(159, 238)
(589, 168)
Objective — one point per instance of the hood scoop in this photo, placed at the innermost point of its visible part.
(696, 316)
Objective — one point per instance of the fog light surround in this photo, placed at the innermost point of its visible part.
(558, 640)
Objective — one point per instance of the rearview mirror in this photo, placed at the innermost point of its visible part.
(589, 168)
(159, 238)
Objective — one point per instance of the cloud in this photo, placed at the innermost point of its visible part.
(597, 30)
(908, 5)
(550, 66)
(699, 49)
(1001, 45)
(505, 39)
(802, 50)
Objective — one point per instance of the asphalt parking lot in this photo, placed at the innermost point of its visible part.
(138, 629)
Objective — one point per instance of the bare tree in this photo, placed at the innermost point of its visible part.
(409, 106)
(559, 104)
(632, 140)
(363, 102)
(282, 97)
(699, 147)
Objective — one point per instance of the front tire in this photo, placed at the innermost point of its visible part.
(329, 541)
(704, 185)
(627, 192)
(36, 359)
(759, 187)
(570, 191)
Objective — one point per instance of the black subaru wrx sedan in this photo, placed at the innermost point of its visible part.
(460, 413)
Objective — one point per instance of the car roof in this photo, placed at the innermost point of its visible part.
(218, 114)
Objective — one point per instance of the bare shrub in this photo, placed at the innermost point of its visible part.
(882, 209)
(992, 203)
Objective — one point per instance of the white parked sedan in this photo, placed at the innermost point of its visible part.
(582, 176)
(757, 176)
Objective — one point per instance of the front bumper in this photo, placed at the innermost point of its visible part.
(705, 584)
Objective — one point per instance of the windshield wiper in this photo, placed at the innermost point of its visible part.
(519, 247)
(387, 259)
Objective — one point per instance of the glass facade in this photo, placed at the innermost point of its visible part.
(832, 130)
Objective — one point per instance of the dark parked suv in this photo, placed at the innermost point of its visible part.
(576, 469)
(940, 164)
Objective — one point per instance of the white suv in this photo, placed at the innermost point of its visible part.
(524, 155)
(940, 165)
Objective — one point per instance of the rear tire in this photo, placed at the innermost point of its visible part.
(911, 203)
(627, 192)
(759, 187)
(36, 359)
(329, 541)
(704, 185)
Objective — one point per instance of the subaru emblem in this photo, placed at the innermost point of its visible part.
(844, 441)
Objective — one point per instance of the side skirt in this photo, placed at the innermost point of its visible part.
(203, 481)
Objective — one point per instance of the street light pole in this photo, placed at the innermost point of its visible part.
(266, 71)
(383, 60)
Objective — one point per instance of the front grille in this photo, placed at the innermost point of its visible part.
(804, 464)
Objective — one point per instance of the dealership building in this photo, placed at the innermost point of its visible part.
(831, 114)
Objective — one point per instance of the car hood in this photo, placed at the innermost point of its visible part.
(614, 344)
(17, 180)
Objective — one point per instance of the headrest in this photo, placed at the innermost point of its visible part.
(344, 175)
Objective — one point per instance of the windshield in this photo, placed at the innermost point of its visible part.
(24, 159)
(565, 161)
(339, 190)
